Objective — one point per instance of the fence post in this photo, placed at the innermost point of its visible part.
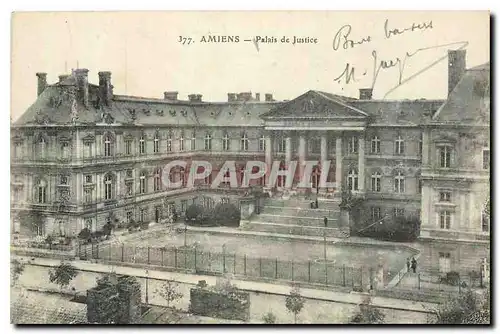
(419, 281)
(223, 262)
(292, 270)
(185, 259)
(326, 273)
(245, 264)
(162, 250)
(92, 250)
(309, 271)
(260, 267)
(97, 251)
(195, 259)
(361, 277)
(175, 257)
(209, 261)
(109, 256)
(149, 255)
(276, 269)
(343, 275)
(234, 264)
(123, 252)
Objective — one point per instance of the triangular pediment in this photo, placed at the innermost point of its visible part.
(315, 104)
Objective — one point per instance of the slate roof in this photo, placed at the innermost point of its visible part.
(57, 105)
(469, 101)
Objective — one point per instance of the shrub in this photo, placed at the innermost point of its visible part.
(368, 314)
(144, 225)
(84, 234)
(226, 214)
(402, 229)
(294, 302)
(49, 240)
(269, 318)
(62, 274)
(194, 212)
(451, 278)
(107, 229)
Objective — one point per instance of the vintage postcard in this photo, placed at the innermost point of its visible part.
(301, 167)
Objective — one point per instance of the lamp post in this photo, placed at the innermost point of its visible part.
(324, 237)
(147, 287)
(224, 258)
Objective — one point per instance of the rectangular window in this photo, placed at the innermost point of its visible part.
(128, 147)
(18, 150)
(88, 178)
(376, 183)
(486, 158)
(376, 213)
(156, 146)
(129, 174)
(193, 143)
(445, 196)
(181, 144)
(400, 146)
(262, 144)
(88, 195)
(398, 212)
(485, 222)
(352, 145)
(142, 146)
(169, 143)
(445, 220)
(87, 150)
(64, 150)
(282, 145)
(142, 215)
(444, 262)
(375, 145)
(445, 157)
(128, 188)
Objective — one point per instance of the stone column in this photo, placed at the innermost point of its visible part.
(269, 156)
(324, 148)
(338, 163)
(361, 163)
(425, 148)
(302, 153)
(288, 149)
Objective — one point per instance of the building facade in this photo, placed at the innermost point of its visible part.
(82, 156)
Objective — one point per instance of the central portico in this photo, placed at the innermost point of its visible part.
(296, 129)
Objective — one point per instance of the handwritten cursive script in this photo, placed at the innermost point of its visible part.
(342, 39)
(414, 27)
(349, 72)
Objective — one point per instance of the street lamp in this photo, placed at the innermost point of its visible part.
(147, 287)
(324, 237)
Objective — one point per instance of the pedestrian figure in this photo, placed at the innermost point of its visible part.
(408, 264)
(316, 203)
(414, 265)
(325, 220)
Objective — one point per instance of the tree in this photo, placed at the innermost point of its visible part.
(467, 308)
(368, 314)
(269, 318)
(63, 274)
(169, 291)
(226, 214)
(16, 269)
(193, 212)
(294, 302)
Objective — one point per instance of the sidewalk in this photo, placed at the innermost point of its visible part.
(259, 287)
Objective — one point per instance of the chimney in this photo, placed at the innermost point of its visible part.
(170, 96)
(81, 75)
(257, 96)
(105, 88)
(231, 97)
(245, 96)
(63, 77)
(365, 93)
(456, 68)
(42, 82)
(269, 97)
(195, 97)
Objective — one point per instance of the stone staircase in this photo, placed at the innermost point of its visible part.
(295, 216)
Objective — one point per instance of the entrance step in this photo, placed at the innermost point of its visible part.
(331, 212)
(334, 232)
(296, 220)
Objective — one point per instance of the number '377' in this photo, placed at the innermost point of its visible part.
(185, 40)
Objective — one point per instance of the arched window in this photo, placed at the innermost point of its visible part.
(157, 179)
(108, 145)
(208, 142)
(376, 177)
(244, 142)
(142, 182)
(399, 183)
(142, 144)
(226, 142)
(352, 180)
(156, 143)
(108, 187)
(41, 192)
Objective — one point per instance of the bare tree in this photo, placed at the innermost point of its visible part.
(169, 291)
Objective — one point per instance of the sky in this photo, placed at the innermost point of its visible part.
(144, 53)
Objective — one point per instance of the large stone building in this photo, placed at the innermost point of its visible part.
(82, 156)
